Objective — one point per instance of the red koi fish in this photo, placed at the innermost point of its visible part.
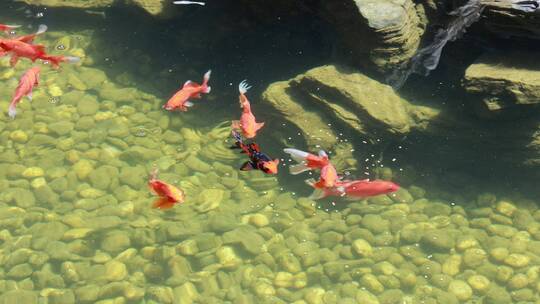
(306, 161)
(257, 159)
(56, 60)
(168, 195)
(28, 81)
(6, 28)
(247, 123)
(21, 49)
(355, 189)
(180, 100)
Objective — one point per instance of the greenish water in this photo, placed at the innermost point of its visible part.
(76, 223)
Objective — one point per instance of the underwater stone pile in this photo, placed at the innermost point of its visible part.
(76, 224)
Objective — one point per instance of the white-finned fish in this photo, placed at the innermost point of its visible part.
(189, 2)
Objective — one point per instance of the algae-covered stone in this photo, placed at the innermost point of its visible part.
(479, 283)
(88, 105)
(133, 176)
(460, 289)
(22, 197)
(497, 295)
(251, 241)
(197, 165)
(499, 254)
(61, 128)
(19, 296)
(77, 233)
(518, 281)
(452, 265)
(101, 177)
(188, 247)
(187, 293)
(362, 248)
(20, 271)
(19, 136)
(517, 260)
(330, 239)
(83, 168)
(115, 242)
(283, 279)
(88, 293)
(115, 271)
(371, 283)
(474, 257)
(209, 199)
(366, 297)
(439, 240)
(228, 258)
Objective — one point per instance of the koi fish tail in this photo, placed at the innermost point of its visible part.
(162, 203)
(298, 155)
(71, 59)
(206, 78)
(41, 29)
(10, 27)
(12, 111)
(243, 87)
(298, 168)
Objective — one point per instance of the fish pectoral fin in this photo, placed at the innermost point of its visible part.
(247, 166)
(317, 194)
(188, 104)
(29, 96)
(162, 203)
(298, 168)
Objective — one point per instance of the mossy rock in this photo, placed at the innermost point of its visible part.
(439, 240)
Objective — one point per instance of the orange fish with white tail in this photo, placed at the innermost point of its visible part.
(247, 123)
(328, 179)
(28, 81)
(56, 60)
(168, 195)
(306, 161)
(181, 99)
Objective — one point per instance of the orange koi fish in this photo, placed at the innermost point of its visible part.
(28, 81)
(247, 123)
(180, 100)
(168, 195)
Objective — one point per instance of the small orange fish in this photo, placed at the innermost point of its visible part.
(247, 123)
(328, 178)
(168, 195)
(180, 100)
(28, 81)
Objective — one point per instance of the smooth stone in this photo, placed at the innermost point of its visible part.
(517, 260)
(19, 136)
(497, 295)
(115, 242)
(479, 283)
(362, 248)
(460, 289)
(77, 233)
(452, 265)
(87, 105)
(438, 240)
(20, 271)
(115, 271)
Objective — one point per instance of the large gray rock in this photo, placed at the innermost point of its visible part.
(505, 81)
(315, 99)
(503, 19)
(380, 33)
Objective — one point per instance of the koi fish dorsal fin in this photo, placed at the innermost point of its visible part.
(189, 83)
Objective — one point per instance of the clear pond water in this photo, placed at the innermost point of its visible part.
(76, 223)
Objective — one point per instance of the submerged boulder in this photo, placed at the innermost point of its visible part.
(383, 33)
(505, 81)
(505, 19)
(153, 7)
(312, 101)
